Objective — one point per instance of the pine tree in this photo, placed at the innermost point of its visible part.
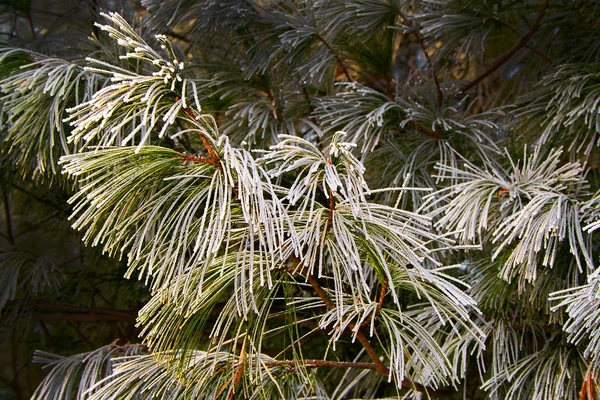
(327, 199)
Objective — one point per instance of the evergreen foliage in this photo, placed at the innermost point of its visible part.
(326, 199)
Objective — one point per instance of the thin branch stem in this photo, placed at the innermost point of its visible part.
(337, 58)
(213, 158)
(15, 369)
(379, 366)
(177, 36)
(30, 21)
(382, 294)
(9, 228)
(37, 226)
(426, 131)
(320, 364)
(271, 98)
(587, 388)
(331, 211)
(38, 198)
(59, 312)
(239, 372)
(415, 32)
(509, 54)
(527, 46)
(80, 333)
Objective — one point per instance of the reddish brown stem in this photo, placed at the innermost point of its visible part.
(509, 54)
(588, 390)
(337, 58)
(533, 49)
(205, 160)
(8, 220)
(213, 158)
(30, 21)
(379, 366)
(428, 132)
(415, 32)
(382, 294)
(239, 372)
(271, 98)
(320, 364)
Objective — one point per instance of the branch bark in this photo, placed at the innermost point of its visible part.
(509, 54)
(7, 215)
(587, 388)
(60, 312)
(378, 365)
(337, 58)
(320, 364)
(415, 32)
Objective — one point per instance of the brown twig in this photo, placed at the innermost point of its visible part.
(30, 21)
(187, 158)
(38, 198)
(415, 32)
(177, 36)
(382, 294)
(320, 364)
(426, 131)
(81, 334)
(14, 363)
(331, 211)
(508, 55)
(588, 390)
(378, 365)
(337, 58)
(213, 158)
(528, 47)
(239, 372)
(8, 220)
(271, 97)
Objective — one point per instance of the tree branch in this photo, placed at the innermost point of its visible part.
(213, 158)
(382, 294)
(9, 229)
(533, 49)
(426, 131)
(38, 198)
(30, 21)
(378, 365)
(415, 32)
(59, 312)
(239, 372)
(508, 55)
(337, 58)
(320, 364)
(587, 388)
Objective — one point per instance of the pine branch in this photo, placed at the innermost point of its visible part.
(588, 388)
(336, 56)
(320, 364)
(527, 46)
(382, 293)
(8, 218)
(213, 158)
(415, 32)
(378, 365)
(509, 54)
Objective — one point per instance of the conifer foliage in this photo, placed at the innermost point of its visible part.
(327, 199)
